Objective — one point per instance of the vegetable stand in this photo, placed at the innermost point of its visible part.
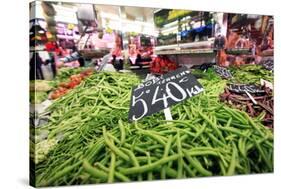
(89, 138)
(205, 109)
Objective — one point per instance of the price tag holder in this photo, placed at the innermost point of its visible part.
(160, 93)
(266, 84)
(242, 88)
(222, 72)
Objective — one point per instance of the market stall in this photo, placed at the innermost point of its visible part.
(186, 114)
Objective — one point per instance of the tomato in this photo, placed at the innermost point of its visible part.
(72, 84)
(64, 85)
(55, 95)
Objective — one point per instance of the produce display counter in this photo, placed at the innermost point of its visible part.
(184, 51)
(168, 95)
(88, 131)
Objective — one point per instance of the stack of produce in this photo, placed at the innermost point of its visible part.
(97, 144)
(39, 90)
(263, 110)
(250, 73)
(247, 74)
(162, 65)
(64, 73)
(75, 80)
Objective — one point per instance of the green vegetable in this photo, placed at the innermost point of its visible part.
(38, 97)
(97, 144)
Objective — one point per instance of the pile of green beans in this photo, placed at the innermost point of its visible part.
(250, 74)
(97, 144)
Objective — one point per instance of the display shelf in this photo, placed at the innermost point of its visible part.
(185, 51)
(200, 47)
(239, 51)
(208, 43)
(166, 47)
(186, 45)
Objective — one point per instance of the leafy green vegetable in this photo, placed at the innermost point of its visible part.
(37, 97)
(250, 74)
(41, 85)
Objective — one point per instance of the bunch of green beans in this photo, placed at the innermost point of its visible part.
(250, 73)
(97, 144)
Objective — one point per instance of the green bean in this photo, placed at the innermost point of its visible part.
(233, 123)
(105, 160)
(94, 172)
(215, 140)
(153, 136)
(234, 130)
(228, 122)
(166, 153)
(61, 173)
(112, 168)
(170, 172)
(236, 115)
(99, 145)
(199, 132)
(112, 105)
(196, 164)
(222, 168)
(231, 168)
(113, 147)
(266, 160)
(241, 147)
(144, 158)
(145, 168)
(253, 124)
(213, 126)
(180, 160)
(123, 133)
(202, 153)
(150, 175)
(132, 157)
(188, 170)
(116, 173)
